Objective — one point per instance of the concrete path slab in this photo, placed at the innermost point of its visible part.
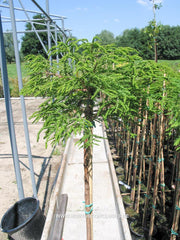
(105, 223)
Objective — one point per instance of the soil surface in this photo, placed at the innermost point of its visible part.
(46, 161)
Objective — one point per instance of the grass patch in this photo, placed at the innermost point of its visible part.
(13, 79)
(12, 72)
(174, 64)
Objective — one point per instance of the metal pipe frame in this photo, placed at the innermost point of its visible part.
(40, 31)
(9, 114)
(18, 66)
(32, 11)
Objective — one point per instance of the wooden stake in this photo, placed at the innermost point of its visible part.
(141, 160)
(156, 181)
(162, 153)
(176, 206)
(149, 180)
(127, 155)
(135, 162)
(131, 157)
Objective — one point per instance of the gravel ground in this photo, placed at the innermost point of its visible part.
(46, 161)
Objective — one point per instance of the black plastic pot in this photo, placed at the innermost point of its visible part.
(24, 220)
(126, 202)
(136, 234)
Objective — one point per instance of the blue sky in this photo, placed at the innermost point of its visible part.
(87, 18)
(90, 17)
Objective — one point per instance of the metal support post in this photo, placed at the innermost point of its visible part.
(9, 115)
(56, 42)
(49, 33)
(34, 29)
(18, 66)
(62, 21)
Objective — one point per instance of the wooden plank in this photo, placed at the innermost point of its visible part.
(56, 192)
(57, 223)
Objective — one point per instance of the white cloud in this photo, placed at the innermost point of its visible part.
(142, 2)
(158, 1)
(81, 9)
(148, 3)
(116, 20)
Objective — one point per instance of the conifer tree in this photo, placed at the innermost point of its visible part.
(73, 90)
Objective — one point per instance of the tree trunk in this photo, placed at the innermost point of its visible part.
(155, 50)
(88, 166)
(88, 174)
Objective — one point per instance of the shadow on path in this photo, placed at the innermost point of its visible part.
(45, 164)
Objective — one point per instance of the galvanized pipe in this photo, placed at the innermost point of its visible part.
(10, 115)
(18, 66)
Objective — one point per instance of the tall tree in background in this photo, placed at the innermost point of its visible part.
(106, 37)
(153, 28)
(169, 42)
(30, 42)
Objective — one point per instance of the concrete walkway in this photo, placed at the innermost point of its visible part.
(105, 216)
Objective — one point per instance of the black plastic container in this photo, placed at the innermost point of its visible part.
(24, 220)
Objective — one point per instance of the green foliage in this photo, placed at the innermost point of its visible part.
(152, 30)
(97, 83)
(173, 103)
(86, 71)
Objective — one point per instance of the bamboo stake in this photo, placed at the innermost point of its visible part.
(147, 146)
(135, 162)
(114, 131)
(124, 143)
(131, 158)
(148, 138)
(118, 139)
(162, 169)
(174, 166)
(173, 171)
(162, 154)
(156, 181)
(146, 133)
(127, 155)
(149, 180)
(141, 159)
(176, 210)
